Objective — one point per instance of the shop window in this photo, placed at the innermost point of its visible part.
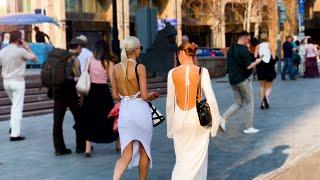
(72, 5)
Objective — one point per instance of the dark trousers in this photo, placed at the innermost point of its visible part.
(60, 107)
(288, 68)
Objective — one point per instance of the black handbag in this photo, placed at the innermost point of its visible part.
(203, 108)
(157, 117)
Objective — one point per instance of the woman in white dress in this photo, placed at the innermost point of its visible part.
(135, 122)
(191, 140)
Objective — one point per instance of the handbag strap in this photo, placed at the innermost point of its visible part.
(199, 85)
(87, 65)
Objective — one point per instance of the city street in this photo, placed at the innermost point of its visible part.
(288, 129)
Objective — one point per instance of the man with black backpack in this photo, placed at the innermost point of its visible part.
(60, 74)
(239, 69)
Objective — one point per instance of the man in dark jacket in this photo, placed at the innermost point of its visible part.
(239, 69)
(67, 96)
(288, 51)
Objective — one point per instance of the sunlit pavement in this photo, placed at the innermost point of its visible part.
(289, 128)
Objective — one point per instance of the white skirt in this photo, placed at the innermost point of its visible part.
(191, 142)
(135, 124)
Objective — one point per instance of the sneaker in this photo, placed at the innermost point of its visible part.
(251, 131)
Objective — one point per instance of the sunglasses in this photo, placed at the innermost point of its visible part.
(141, 48)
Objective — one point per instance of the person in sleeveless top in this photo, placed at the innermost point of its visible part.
(135, 121)
(265, 70)
(190, 139)
(94, 121)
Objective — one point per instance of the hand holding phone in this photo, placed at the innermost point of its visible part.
(24, 44)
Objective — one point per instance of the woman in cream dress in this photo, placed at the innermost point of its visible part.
(191, 140)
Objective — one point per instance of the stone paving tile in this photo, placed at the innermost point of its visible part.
(287, 129)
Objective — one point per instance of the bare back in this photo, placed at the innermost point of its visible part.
(126, 86)
(180, 80)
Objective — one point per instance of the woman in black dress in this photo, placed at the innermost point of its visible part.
(95, 124)
(265, 70)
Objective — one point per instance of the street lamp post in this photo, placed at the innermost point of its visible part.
(115, 31)
(282, 16)
(279, 2)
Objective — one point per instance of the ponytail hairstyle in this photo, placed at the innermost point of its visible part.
(129, 44)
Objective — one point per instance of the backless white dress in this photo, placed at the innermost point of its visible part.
(191, 140)
(135, 124)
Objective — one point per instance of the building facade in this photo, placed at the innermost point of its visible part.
(213, 25)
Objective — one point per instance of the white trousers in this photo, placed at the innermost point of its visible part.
(15, 91)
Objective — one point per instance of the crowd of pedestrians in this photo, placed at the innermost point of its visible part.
(126, 83)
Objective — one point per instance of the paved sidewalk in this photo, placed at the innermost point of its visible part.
(290, 127)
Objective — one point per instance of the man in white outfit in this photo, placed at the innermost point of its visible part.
(85, 53)
(13, 60)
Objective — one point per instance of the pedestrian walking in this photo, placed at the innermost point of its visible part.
(288, 50)
(239, 69)
(312, 70)
(302, 54)
(190, 139)
(40, 36)
(135, 121)
(65, 97)
(94, 122)
(85, 54)
(265, 70)
(13, 60)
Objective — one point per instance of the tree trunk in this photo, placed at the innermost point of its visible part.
(248, 17)
(256, 29)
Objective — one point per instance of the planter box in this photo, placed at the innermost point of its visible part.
(215, 65)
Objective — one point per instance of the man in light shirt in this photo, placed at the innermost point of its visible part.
(13, 60)
(85, 53)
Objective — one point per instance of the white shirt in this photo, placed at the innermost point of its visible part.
(84, 57)
(264, 50)
(311, 51)
(302, 50)
(13, 61)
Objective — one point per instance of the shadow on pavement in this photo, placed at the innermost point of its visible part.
(262, 164)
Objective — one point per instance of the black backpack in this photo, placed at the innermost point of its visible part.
(53, 73)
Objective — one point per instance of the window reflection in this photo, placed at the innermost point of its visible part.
(72, 5)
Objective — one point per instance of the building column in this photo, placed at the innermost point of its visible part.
(57, 10)
(179, 20)
(123, 12)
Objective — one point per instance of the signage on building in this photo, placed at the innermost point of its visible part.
(162, 23)
(301, 12)
(301, 6)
